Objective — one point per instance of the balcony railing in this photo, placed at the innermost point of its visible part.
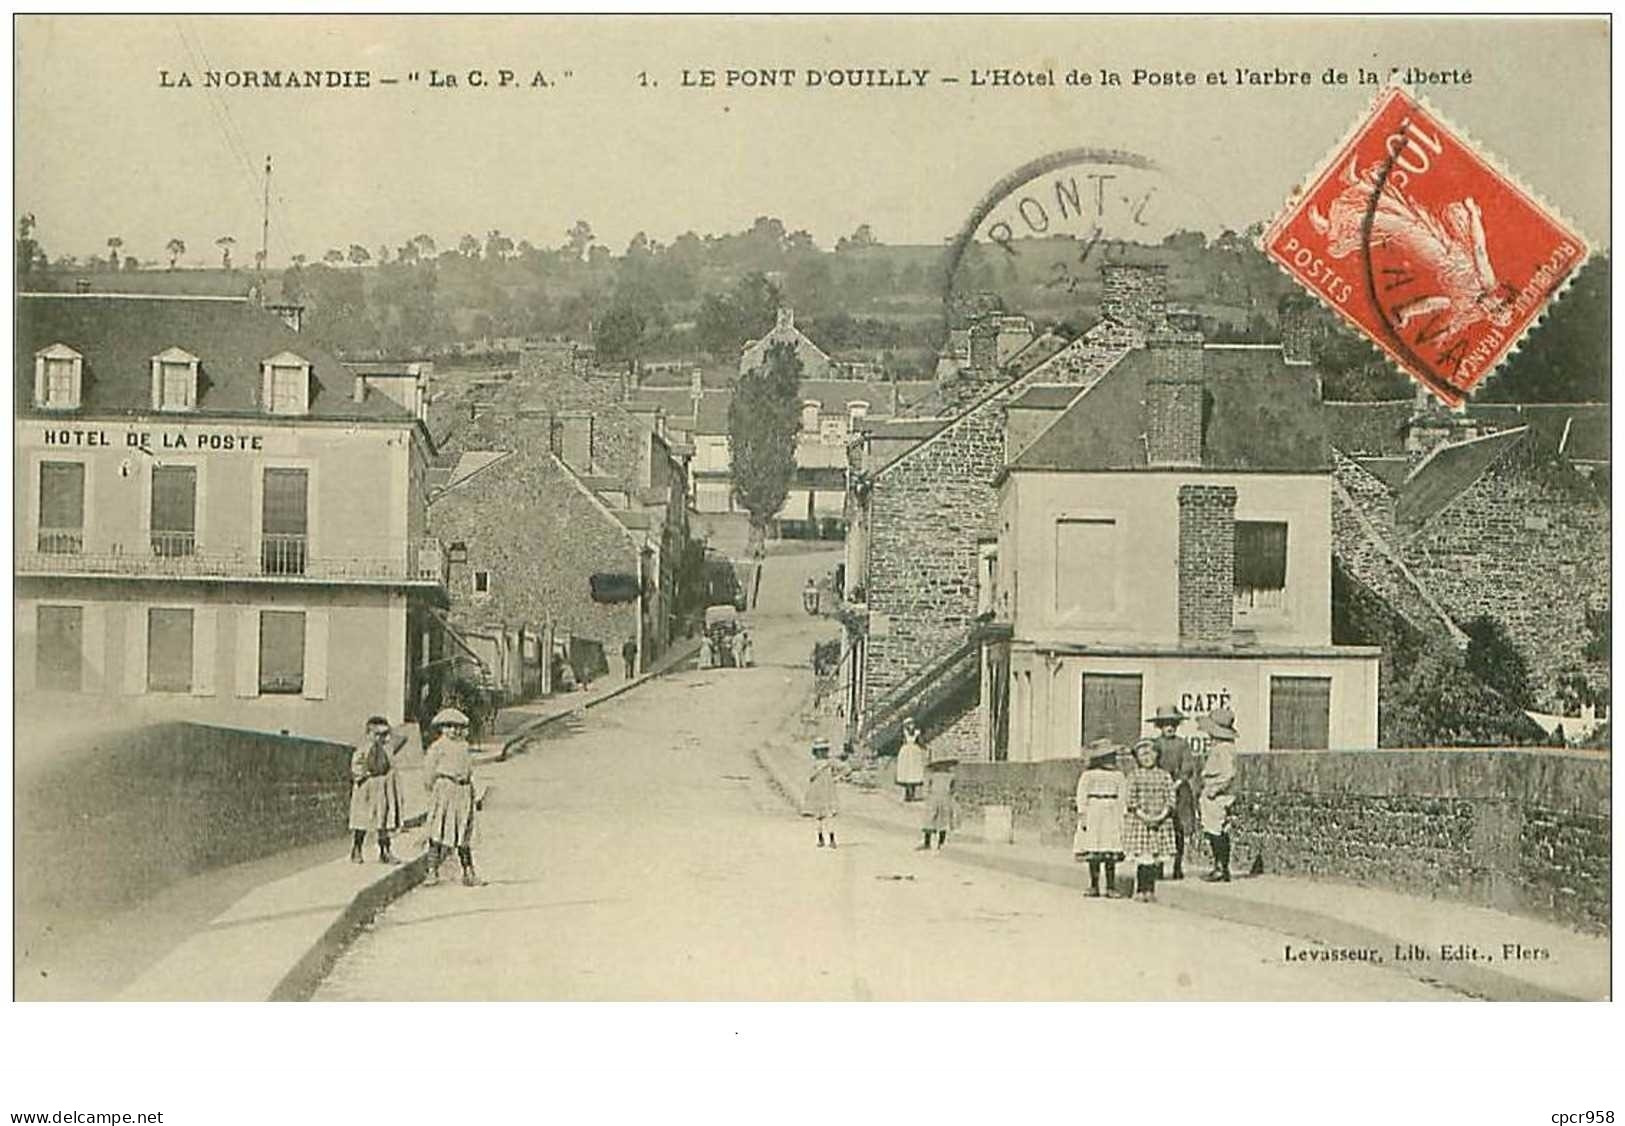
(162, 555)
(283, 554)
(173, 545)
(61, 541)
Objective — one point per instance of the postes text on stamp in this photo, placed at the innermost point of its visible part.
(1425, 246)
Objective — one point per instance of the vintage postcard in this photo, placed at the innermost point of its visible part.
(811, 509)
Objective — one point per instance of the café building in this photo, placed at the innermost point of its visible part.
(1167, 540)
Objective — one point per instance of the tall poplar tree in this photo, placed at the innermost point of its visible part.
(763, 420)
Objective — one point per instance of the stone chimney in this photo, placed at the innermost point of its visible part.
(787, 317)
(360, 394)
(575, 440)
(1297, 330)
(291, 315)
(1431, 425)
(984, 344)
(1175, 354)
(1207, 562)
(1134, 294)
(1173, 421)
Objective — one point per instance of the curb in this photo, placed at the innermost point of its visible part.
(525, 730)
(1473, 981)
(300, 983)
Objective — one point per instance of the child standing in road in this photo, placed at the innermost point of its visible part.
(1148, 829)
(1099, 836)
(939, 800)
(448, 772)
(820, 801)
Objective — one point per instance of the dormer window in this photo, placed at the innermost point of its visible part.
(285, 384)
(58, 378)
(174, 380)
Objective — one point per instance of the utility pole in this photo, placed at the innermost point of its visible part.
(265, 222)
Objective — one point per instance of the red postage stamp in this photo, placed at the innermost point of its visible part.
(1425, 246)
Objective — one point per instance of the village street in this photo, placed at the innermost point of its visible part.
(640, 853)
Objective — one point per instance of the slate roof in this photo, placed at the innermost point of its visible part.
(1369, 428)
(1389, 469)
(118, 334)
(1587, 425)
(1262, 415)
(819, 477)
(1449, 471)
(1046, 396)
(832, 395)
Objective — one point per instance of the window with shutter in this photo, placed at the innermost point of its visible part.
(289, 386)
(169, 650)
(282, 652)
(62, 507)
(174, 510)
(175, 383)
(59, 648)
(284, 521)
(1300, 713)
(1111, 707)
(1260, 565)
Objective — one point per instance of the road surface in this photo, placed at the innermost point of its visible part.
(640, 854)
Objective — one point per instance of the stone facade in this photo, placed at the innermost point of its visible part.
(1207, 561)
(1526, 542)
(923, 513)
(540, 533)
(1519, 830)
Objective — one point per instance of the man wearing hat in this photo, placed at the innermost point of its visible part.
(448, 772)
(1174, 756)
(1218, 773)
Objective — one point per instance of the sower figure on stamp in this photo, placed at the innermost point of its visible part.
(375, 791)
(448, 772)
(1174, 756)
(1218, 774)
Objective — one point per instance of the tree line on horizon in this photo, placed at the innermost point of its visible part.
(702, 297)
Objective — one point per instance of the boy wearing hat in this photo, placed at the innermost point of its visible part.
(1174, 756)
(1218, 773)
(448, 772)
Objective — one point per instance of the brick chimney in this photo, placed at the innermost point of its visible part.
(1134, 294)
(1297, 330)
(1207, 562)
(1173, 421)
(1175, 354)
(1431, 425)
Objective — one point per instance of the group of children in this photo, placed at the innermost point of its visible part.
(448, 774)
(1142, 810)
(914, 770)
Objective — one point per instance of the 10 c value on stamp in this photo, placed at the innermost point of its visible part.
(1421, 243)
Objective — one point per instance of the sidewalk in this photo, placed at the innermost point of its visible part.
(278, 941)
(517, 722)
(1321, 912)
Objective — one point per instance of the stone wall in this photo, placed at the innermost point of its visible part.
(927, 509)
(1527, 544)
(1523, 830)
(110, 823)
(541, 536)
(1041, 796)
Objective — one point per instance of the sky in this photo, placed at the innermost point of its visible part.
(103, 148)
